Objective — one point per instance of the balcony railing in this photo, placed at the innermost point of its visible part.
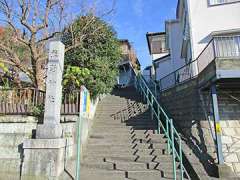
(224, 47)
(179, 76)
(219, 47)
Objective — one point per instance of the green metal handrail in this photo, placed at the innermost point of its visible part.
(164, 123)
(79, 133)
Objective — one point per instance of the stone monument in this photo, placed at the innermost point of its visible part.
(44, 156)
(51, 127)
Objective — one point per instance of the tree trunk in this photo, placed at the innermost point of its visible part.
(40, 75)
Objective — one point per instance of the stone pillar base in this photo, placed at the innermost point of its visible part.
(43, 158)
(49, 131)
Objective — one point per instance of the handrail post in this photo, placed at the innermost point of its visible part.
(180, 156)
(160, 85)
(147, 98)
(152, 107)
(173, 150)
(155, 89)
(158, 119)
(79, 131)
(168, 134)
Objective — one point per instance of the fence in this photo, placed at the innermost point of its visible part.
(24, 101)
(71, 102)
(20, 101)
(179, 76)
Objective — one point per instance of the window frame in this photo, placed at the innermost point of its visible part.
(223, 3)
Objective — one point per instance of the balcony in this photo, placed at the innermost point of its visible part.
(220, 59)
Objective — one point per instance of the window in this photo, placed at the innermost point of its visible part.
(228, 46)
(217, 2)
(158, 44)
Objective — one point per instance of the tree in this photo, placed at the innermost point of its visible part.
(31, 24)
(95, 57)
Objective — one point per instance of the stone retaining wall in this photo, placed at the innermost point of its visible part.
(184, 104)
(15, 129)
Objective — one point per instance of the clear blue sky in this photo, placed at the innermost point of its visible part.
(134, 18)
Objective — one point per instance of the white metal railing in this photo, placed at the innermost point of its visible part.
(206, 57)
(179, 76)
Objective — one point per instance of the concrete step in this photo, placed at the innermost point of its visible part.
(133, 134)
(110, 143)
(98, 165)
(101, 136)
(92, 174)
(109, 153)
(150, 175)
(144, 131)
(126, 147)
(115, 131)
(143, 127)
(120, 139)
(114, 135)
(143, 175)
(155, 141)
(162, 166)
(110, 147)
(150, 146)
(135, 123)
(122, 166)
(112, 126)
(105, 151)
(109, 123)
(143, 152)
(130, 166)
(147, 135)
(125, 158)
(112, 129)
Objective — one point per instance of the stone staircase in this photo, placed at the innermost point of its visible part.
(123, 143)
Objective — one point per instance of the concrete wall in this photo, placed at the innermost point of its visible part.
(205, 19)
(169, 64)
(175, 43)
(163, 67)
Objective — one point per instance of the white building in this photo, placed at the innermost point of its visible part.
(203, 31)
(202, 21)
(165, 49)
